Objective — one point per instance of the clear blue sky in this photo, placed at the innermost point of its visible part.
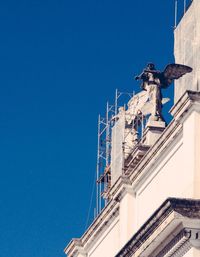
(60, 61)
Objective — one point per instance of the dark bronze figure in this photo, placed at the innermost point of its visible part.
(154, 80)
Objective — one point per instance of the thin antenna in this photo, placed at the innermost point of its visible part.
(185, 6)
(176, 12)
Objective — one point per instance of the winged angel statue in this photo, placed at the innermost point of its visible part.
(150, 100)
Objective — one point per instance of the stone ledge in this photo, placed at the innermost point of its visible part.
(169, 215)
(184, 105)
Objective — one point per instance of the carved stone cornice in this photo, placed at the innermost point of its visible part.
(76, 246)
(186, 104)
(171, 220)
(181, 243)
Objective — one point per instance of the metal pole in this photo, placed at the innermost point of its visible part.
(107, 134)
(99, 197)
(95, 215)
(142, 127)
(107, 147)
(116, 98)
(184, 6)
(97, 168)
(176, 10)
(123, 143)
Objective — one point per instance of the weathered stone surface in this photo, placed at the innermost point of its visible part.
(187, 49)
(182, 209)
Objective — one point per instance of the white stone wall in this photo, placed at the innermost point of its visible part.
(108, 243)
(168, 179)
(187, 49)
(127, 217)
(176, 174)
(119, 231)
(192, 253)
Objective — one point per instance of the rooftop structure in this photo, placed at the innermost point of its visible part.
(187, 49)
(151, 171)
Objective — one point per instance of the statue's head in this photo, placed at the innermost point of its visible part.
(151, 66)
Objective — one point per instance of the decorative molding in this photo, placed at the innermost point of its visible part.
(194, 236)
(178, 246)
(182, 243)
(119, 186)
(171, 215)
(189, 101)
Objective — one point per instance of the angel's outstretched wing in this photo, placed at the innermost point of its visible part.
(173, 71)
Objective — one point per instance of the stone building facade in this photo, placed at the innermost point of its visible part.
(154, 204)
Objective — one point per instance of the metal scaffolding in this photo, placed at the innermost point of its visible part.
(181, 7)
(105, 125)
